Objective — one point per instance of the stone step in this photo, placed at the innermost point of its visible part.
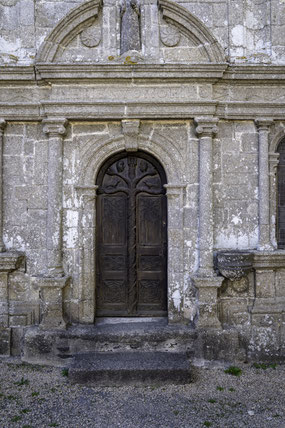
(130, 368)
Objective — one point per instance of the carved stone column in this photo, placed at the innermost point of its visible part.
(175, 198)
(273, 163)
(264, 242)
(86, 226)
(206, 128)
(206, 281)
(56, 129)
(2, 127)
(51, 286)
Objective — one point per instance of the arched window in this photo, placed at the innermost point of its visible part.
(281, 196)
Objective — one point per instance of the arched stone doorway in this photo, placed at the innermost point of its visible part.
(131, 239)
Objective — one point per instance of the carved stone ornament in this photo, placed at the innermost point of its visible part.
(91, 36)
(234, 265)
(169, 35)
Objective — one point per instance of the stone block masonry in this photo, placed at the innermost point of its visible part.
(202, 94)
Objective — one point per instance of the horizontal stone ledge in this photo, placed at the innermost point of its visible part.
(10, 260)
(200, 71)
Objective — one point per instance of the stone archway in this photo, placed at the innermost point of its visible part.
(92, 160)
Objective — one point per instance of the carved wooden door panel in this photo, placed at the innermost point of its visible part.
(131, 238)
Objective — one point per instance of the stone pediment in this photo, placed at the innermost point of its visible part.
(130, 32)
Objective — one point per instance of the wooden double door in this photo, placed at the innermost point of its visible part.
(131, 237)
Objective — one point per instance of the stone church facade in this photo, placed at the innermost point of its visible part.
(184, 99)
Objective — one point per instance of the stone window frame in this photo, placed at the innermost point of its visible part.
(173, 163)
(273, 164)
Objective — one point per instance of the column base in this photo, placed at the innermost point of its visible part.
(51, 299)
(207, 306)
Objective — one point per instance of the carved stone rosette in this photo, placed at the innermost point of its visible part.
(169, 35)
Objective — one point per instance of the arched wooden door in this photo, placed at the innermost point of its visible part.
(131, 244)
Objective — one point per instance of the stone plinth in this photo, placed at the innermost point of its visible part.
(51, 298)
(208, 287)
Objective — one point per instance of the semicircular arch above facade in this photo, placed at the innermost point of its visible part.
(103, 33)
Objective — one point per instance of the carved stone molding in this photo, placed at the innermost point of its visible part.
(130, 130)
(73, 23)
(269, 260)
(194, 27)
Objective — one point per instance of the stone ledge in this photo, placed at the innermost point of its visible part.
(10, 261)
(269, 260)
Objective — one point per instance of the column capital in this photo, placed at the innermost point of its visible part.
(206, 126)
(55, 125)
(3, 124)
(263, 124)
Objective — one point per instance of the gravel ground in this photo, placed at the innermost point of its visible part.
(37, 396)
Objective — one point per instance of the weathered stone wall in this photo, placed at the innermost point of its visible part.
(214, 126)
(250, 31)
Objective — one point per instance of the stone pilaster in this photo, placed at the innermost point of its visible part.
(51, 286)
(206, 280)
(2, 127)
(205, 129)
(273, 163)
(111, 25)
(56, 129)
(264, 242)
(86, 226)
(150, 29)
(175, 200)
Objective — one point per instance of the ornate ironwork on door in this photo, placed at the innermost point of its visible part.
(131, 236)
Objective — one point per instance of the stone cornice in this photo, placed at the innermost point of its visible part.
(269, 260)
(222, 72)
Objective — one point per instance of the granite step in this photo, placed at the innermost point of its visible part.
(130, 368)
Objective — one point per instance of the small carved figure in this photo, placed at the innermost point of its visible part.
(130, 25)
